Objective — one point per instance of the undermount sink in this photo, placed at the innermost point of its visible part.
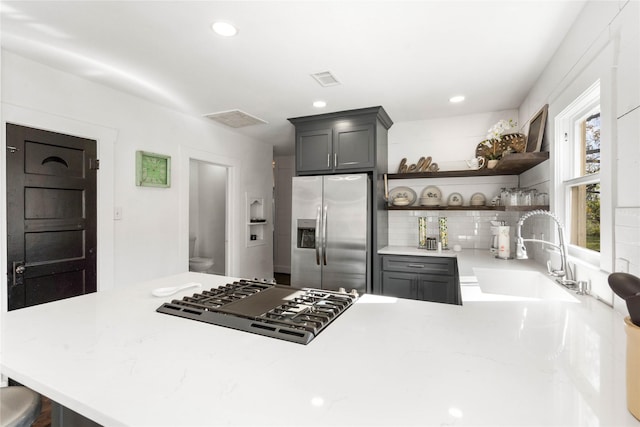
(521, 284)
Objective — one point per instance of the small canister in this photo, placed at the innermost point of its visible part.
(633, 367)
(504, 249)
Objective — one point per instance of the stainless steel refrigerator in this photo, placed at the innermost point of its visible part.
(331, 232)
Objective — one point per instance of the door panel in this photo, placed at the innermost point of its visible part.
(51, 216)
(354, 147)
(50, 246)
(48, 288)
(313, 150)
(399, 285)
(51, 203)
(306, 200)
(346, 201)
(436, 288)
(45, 159)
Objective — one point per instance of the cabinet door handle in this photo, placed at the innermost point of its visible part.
(335, 160)
(328, 160)
(416, 265)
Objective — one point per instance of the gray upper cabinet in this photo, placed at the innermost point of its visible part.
(314, 150)
(347, 141)
(353, 147)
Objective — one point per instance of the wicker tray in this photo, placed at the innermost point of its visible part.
(515, 142)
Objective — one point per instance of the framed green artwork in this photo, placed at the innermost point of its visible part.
(153, 170)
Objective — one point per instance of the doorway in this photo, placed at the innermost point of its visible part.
(208, 183)
(51, 216)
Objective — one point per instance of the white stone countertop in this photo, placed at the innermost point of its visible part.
(110, 357)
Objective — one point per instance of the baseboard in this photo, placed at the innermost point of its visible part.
(285, 269)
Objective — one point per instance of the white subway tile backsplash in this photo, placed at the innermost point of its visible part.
(469, 229)
(627, 238)
(628, 216)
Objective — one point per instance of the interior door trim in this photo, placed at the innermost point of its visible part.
(106, 139)
(233, 223)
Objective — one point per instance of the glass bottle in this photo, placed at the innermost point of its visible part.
(422, 232)
(444, 233)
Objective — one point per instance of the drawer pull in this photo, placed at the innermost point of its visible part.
(416, 265)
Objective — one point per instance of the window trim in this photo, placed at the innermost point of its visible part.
(564, 180)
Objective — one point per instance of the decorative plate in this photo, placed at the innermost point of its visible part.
(455, 199)
(478, 199)
(431, 196)
(402, 192)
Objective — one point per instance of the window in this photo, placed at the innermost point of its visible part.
(585, 197)
(578, 173)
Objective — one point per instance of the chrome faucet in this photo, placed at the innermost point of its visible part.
(563, 275)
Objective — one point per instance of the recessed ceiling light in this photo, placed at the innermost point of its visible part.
(319, 104)
(224, 29)
(457, 98)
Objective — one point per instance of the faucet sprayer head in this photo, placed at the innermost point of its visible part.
(521, 249)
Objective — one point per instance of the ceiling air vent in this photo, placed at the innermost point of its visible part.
(325, 79)
(235, 118)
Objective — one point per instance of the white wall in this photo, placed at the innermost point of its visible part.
(150, 241)
(449, 140)
(284, 171)
(604, 43)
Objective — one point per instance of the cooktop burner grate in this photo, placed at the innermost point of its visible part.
(277, 311)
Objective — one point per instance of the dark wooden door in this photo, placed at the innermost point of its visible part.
(51, 216)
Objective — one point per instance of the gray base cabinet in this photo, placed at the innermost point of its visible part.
(422, 278)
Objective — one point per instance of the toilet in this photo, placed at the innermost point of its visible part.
(198, 264)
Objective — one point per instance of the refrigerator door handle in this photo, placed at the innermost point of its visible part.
(318, 236)
(324, 235)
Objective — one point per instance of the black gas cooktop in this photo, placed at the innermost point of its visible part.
(277, 311)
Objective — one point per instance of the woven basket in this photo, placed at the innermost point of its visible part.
(513, 142)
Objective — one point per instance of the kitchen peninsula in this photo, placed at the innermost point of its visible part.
(112, 358)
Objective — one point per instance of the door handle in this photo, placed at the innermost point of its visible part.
(318, 236)
(18, 271)
(324, 235)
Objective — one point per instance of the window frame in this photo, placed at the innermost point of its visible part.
(566, 125)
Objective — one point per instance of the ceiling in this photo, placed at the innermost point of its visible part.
(408, 56)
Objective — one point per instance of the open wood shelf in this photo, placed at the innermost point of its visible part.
(466, 208)
(511, 164)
